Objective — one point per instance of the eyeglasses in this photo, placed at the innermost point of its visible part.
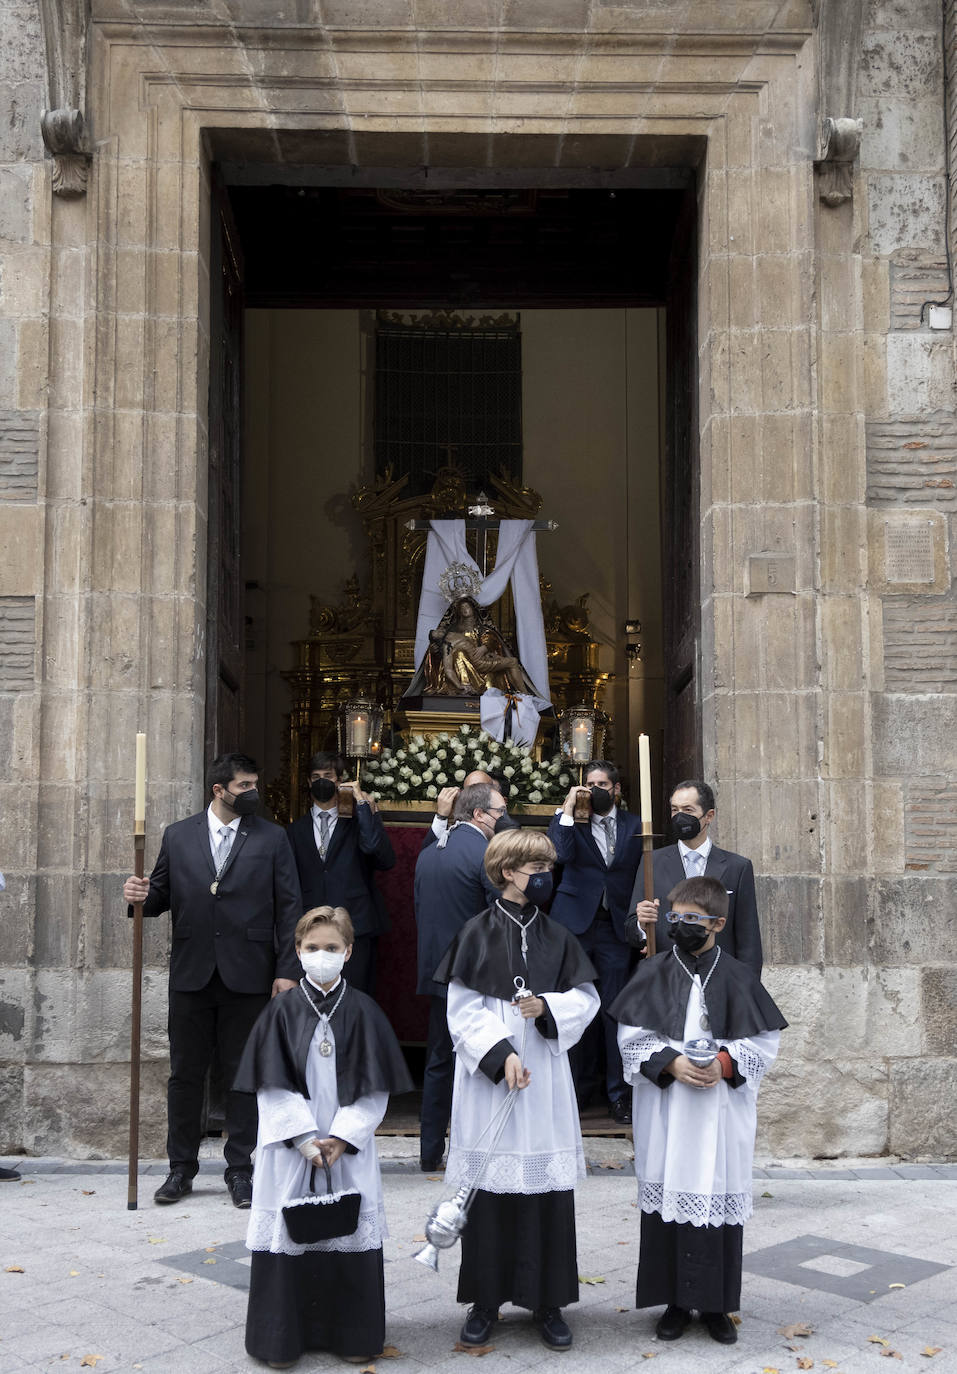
(689, 917)
(495, 810)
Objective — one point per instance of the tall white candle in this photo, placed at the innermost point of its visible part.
(644, 777)
(139, 801)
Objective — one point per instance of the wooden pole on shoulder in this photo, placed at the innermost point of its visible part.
(136, 1007)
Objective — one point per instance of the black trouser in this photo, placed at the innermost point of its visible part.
(436, 1083)
(214, 1019)
(612, 959)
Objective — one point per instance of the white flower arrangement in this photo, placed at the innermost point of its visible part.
(416, 770)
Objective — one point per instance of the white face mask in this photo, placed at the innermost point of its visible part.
(323, 965)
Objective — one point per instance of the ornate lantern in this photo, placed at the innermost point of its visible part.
(577, 734)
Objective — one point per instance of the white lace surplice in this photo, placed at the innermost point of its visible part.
(694, 1148)
(541, 1148)
(282, 1174)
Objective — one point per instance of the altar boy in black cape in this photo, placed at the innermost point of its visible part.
(518, 1245)
(694, 1126)
(322, 1060)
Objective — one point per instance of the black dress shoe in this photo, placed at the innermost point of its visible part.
(240, 1189)
(620, 1109)
(478, 1325)
(672, 1323)
(175, 1188)
(720, 1327)
(554, 1328)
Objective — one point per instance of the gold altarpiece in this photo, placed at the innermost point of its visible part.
(364, 645)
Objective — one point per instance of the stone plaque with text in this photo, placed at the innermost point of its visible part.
(908, 552)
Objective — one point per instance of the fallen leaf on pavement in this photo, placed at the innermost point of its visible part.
(15, 1269)
(829, 1364)
(434, 1178)
(209, 1261)
(419, 1238)
(791, 1346)
(795, 1329)
(157, 1240)
(878, 1340)
(805, 1362)
(931, 1350)
(892, 1354)
(649, 1354)
(390, 1352)
(368, 1369)
(180, 1279)
(622, 1309)
(736, 1320)
(612, 1165)
(897, 1285)
(88, 1192)
(90, 1361)
(767, 1195)
(591, 1278)
(211, 1249)
(74, 1273)
(472, 1349)
(770, 1369)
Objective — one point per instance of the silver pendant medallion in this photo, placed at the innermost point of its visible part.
(214, 887)
(325, 1048)
(704, 1021)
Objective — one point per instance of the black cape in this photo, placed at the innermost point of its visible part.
(486, 955)
(368, 1058)
(656, 997)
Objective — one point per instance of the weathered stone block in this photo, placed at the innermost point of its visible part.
(902, 134)
(920, 374)
(939, 1008)
(82, 1110)
(84, 1016)
(907, 924)
(905, 212)
(839, 1109)
(915, 736)
(11, 1108)
(900, 63)
(921, 1108)
(789, 909)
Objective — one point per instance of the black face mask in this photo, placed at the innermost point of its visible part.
(601, 800)
(243, 803)
(538, 889)
(323, 789)
(687, 937)
(506, 822)
(685, 827)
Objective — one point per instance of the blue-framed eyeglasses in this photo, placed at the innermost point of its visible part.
(690, 918)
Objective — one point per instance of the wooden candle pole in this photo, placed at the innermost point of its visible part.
(647, 836)
(136, 1012)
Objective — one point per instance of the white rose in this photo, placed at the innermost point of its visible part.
(417, 741)
(513, 791)
(441, 754)
(442, 779)
(443, 738)
(459, 774)
(465, 729)
(563, 779)
(509, 771)
(416, 780)
(535, 797)
(428, 775)
(494, 747)
(527, 765)
(431, 792)
(402, 788)
(405, 771)
(554, 769)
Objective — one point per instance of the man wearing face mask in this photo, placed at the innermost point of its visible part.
(451, 886)
(694, 855)
(337, 857)
(229, 881)
(599, 859)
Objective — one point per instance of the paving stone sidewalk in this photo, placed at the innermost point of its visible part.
(864, 1255)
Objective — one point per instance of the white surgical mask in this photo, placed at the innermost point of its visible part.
(323, 965)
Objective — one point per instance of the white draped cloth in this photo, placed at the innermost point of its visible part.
(694, 1147)
(516, 563)
(540, 1150)
(281, 1175)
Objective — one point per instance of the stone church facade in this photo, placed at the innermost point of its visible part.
(818, 136)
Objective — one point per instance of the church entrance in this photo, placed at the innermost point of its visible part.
(547, 325)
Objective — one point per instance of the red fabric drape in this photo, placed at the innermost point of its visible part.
(397, 970)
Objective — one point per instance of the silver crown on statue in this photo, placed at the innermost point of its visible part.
(444, 1227)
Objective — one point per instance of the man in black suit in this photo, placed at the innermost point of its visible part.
(695, 855)
(450, 888)
(336, 857)
(228, 879)
(599, 858)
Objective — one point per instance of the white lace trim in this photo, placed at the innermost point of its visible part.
(635, 1052)
(700, 1209)
(267, 1231)
(283, 1114)
(517, 1173)
(751, 1065)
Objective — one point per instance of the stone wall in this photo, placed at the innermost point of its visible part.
(825, 412)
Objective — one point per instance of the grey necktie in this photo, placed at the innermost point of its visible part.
(325, 820)
(223, 847)
(696, 864)
(608, 823)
